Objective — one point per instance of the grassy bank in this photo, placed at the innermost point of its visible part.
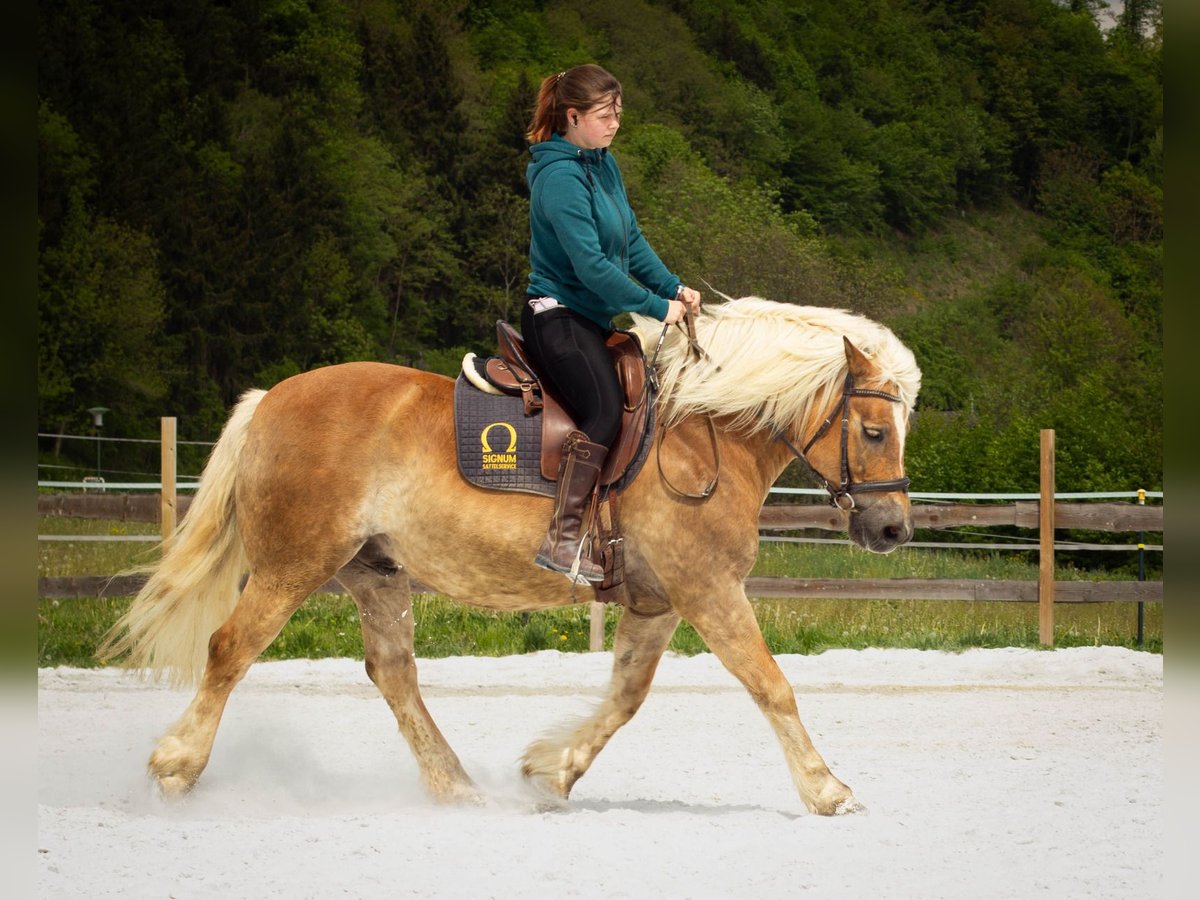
(327, 625)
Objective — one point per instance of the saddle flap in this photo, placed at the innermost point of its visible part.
(630, 364)
(512, 351)
(556, 425)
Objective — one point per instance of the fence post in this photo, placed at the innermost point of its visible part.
(167, 506)
(596, 630)
(1141, 608)
(1046, 540)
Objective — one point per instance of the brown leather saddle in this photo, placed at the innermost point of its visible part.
(513, 373)
(529, 461)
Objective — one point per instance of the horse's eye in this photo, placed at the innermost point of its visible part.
(873, 434)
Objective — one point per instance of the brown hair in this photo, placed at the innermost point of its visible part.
(583, 87)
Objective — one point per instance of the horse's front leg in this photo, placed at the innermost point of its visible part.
(381, 591)
(732, 633)
(554, 763)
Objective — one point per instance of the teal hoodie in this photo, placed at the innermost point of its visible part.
(585, 246)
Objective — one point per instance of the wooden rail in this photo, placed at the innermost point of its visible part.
(756, 586)
(776, 517)
(1022, 514)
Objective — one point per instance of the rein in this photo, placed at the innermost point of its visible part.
(700, 353)
(844, 492)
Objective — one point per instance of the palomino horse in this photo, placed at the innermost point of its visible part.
(349, 471)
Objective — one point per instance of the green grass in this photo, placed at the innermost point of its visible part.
(63, 558)
(327, 625)
(833, 561)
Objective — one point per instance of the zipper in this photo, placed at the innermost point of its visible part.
(587, 170)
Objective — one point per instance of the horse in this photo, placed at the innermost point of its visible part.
(349, 472)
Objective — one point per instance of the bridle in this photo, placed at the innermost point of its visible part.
(842, 494)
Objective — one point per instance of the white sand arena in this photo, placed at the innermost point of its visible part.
(987, 774)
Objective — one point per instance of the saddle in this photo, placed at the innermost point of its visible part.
(513, 373)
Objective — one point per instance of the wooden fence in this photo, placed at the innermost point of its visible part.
(1043, 515)
(1112, 517)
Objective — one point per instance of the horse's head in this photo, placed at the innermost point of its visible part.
(858, 451)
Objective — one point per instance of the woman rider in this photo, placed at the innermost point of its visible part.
(589, 262)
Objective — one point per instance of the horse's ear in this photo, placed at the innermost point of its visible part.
(861, 368)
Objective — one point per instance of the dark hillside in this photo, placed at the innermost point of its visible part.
(231, 193)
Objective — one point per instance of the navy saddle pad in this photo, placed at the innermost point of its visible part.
(500, 448)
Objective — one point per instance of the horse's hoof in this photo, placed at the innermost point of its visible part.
(546, 794)
(455, 791)
(544, 802)
(173, 769)
(465, 796)
(466, 800)
(850, 806)
(171, 786)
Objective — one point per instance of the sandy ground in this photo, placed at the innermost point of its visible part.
(992, 773)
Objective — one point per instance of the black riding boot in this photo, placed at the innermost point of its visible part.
(578, 473)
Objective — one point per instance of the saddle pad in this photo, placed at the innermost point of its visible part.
(499, 447)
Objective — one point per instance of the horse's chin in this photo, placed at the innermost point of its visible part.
(881, 527)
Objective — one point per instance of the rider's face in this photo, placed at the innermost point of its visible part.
(596, 127)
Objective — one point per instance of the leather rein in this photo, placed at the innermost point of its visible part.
(700, 353)
(842, 494)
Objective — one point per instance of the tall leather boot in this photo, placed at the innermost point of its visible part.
(578, 473)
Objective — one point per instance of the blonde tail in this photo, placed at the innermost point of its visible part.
(194, 587)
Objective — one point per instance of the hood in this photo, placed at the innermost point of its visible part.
(554, 150)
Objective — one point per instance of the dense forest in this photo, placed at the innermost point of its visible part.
(233, 192)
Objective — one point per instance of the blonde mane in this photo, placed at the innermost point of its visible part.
(776, 360)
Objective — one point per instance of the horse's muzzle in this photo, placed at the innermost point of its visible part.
(883, 525)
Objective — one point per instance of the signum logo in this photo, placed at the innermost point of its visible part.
(491, 459)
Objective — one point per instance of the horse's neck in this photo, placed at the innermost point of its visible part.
(762, 456)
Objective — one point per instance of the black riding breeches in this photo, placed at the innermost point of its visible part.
(571, 353)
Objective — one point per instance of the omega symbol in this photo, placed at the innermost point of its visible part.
(492, 459)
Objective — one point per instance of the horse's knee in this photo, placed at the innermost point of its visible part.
(220, 644)
(222, 663)
(774, 695)
(391, 665)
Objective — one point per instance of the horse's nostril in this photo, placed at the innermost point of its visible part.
(892, 532)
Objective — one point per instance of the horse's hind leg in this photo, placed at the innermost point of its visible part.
(554, 763)
(381, 591)
(261, 612)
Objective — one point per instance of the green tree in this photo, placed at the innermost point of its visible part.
(100, 300)
(230, 193)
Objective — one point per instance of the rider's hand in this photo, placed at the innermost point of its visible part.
(675, 312)
(690, 297)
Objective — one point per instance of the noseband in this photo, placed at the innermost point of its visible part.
(842, 495)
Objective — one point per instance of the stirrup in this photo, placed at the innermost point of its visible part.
(572, 572)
